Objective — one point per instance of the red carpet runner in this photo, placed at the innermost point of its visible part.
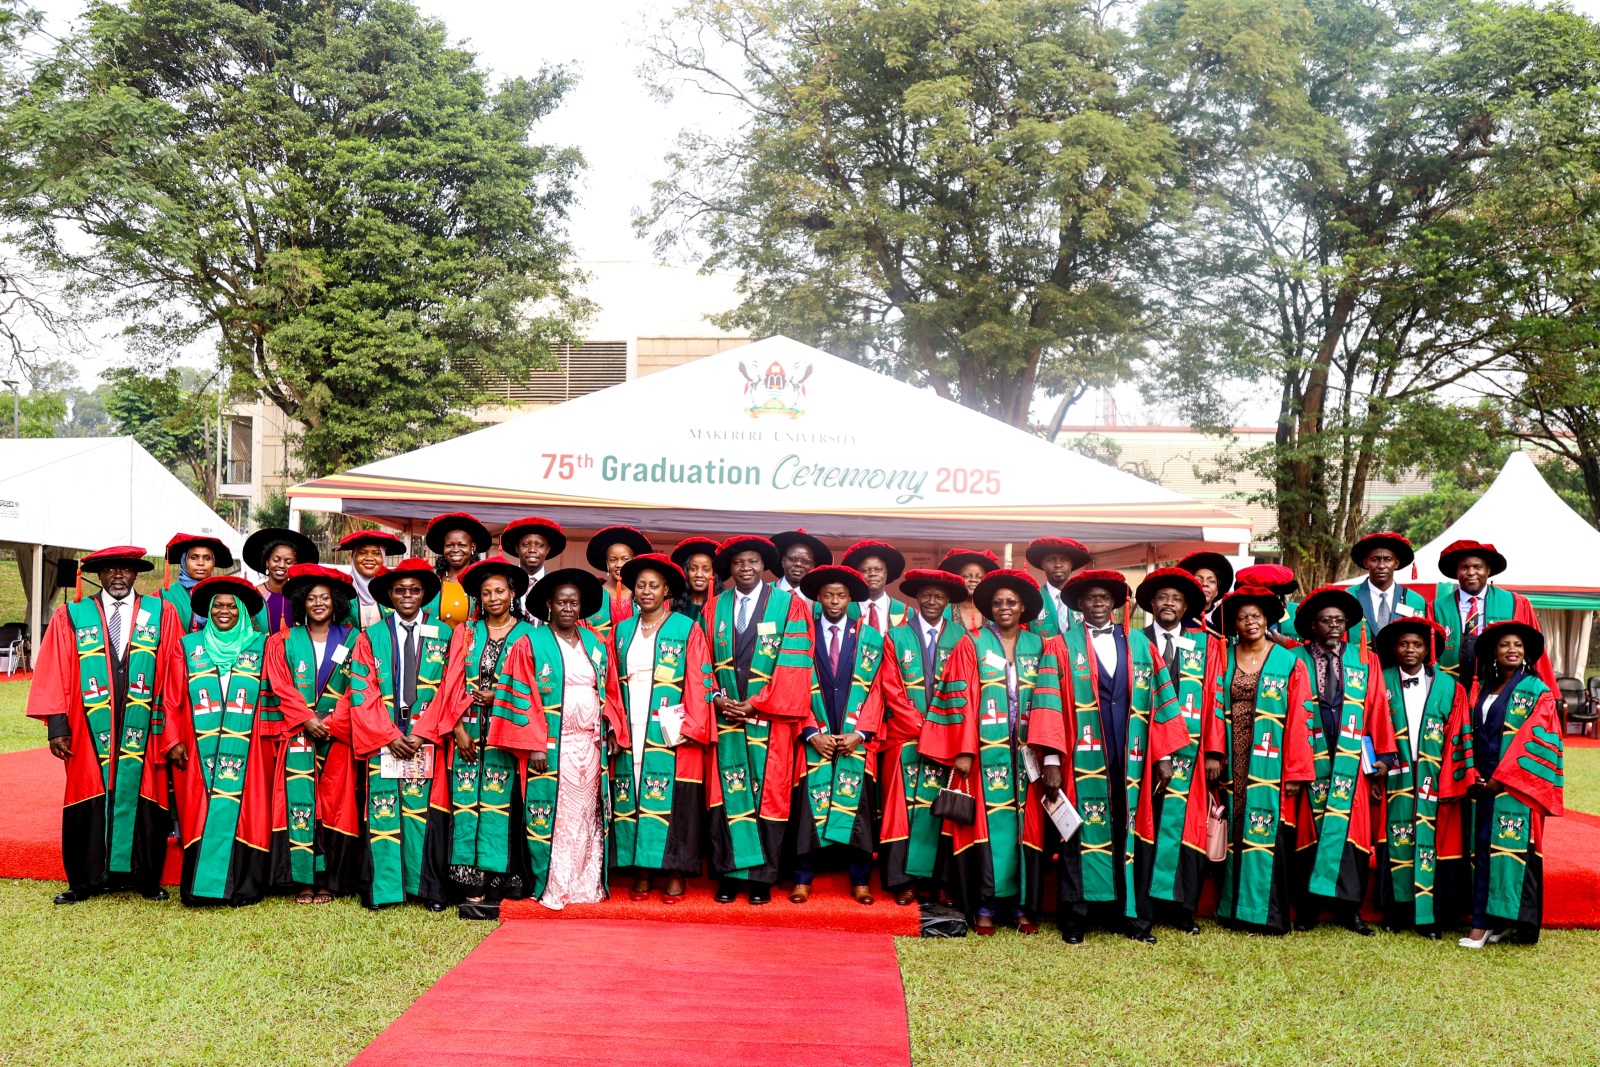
(656, 994)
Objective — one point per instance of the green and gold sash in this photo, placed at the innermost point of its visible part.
(397, 810)
(1151, 700)
(481, 789)
(1498, 605)
(142, 715)
(923, 778)
(223, 725)
(1250, 868)
(1181, 789)
(1089, 772)
(834, 786)
(543, 790)
(1338, 766)
(303, 759)
(1004, 782)
(642, 808)
(1412, 808)
(1511, 832)
(742, 747)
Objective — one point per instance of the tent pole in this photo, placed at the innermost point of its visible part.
(36, 606)
(294, 519)
(1008, 555)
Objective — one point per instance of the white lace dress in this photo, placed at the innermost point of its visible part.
(577, 849)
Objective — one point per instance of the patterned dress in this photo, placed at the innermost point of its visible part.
(1242, 720)
(474, 879)
(577, 848)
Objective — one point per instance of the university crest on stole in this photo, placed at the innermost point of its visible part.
(655, 786)
(300, 817)
(1272, 686)
(383, 806)
(849, 785)
(1094, 813)
(1260, 824)
(733, 780)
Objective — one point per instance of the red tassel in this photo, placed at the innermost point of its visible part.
(1127, 615)
(79, 580)
(166, 575)
(1413, 570)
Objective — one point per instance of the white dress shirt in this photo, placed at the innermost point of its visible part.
(924, 628)
(745, 604)
(527, 601)
(1416, 697)
(1105, 648)
(1464, 605)
(883, 602)
(1055, 601)
(130, 608)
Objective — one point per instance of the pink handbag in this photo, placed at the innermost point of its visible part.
(1216, 831)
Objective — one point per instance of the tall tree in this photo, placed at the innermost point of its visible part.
(327, 187)
(955, 191)
(1331, 255)
(174, 416)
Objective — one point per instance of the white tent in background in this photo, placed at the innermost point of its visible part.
(1552, 556)
(64, 495)
(772, 435)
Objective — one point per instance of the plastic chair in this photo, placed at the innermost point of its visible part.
(13, 639)
(1588, 718)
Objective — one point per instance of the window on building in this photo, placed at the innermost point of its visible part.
(241, 431)
(588, 368)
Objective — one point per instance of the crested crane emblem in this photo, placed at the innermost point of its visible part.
(777, 389)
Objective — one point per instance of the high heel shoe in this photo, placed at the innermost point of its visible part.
(1468, 942)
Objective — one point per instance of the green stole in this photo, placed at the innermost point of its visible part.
(1333, 793)
(923, 778)
(1188, 700)
(397, 811)
(222, 729)
(176, 595)
(302, 761)
(742, 747)
(1409, 597)
(141, 714)
(834, 785)
(1152, 694)
(542, 790)
(642, 821)
(1250, 868)
(481, 789)
(1089, 772)
(1498, 605)
(998, 762)
(1511, 834)
(1048, 624)
(1412, 810)
(600, 621)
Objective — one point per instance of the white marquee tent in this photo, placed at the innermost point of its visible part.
(776, 434)
(76, 494)
(1552, 556)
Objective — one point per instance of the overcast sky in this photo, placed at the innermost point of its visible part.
(610, 115)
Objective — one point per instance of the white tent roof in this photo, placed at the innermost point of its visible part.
(88, 493)
(768, 435)
(1548, 546)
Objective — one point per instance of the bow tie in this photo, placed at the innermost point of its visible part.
(1102, 631)
(1407, 683)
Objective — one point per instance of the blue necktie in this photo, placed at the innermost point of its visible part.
(743, 619)
(933, 647)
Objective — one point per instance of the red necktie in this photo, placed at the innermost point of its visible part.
(833, 649)
(872, 615)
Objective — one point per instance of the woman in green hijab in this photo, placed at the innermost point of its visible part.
(224, 796)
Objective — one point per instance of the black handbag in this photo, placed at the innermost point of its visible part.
(954, 805)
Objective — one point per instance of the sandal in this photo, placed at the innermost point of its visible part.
(322, 897)
(305, 896)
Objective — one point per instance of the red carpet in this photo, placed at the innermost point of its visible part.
(830, 908)
(32, 782)
(656, 995)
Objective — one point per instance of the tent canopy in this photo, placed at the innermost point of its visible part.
(66, 494)
(773, 434)
(1552, 553)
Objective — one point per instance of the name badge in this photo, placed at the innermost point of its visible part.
(144, 617)
(340, 653)
(428, 629)
(1185, 643)
(1405, 611)
(664, 674)
(765, 629)
(992, 660)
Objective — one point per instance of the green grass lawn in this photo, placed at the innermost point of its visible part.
(16, 729)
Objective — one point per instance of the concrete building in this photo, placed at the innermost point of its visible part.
(649, 317)
(1197, 464)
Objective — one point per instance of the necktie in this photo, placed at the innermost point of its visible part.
(742, 621)
(1381, 618)
(408, 668)
(872, 615)
(1169, 653)
(116, 629)
(933, 647)
(1474, 616)
(833, 649)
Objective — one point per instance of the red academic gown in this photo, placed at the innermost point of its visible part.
(1521, 611)
(338, 806)
(56, 690)
(901, 725)
(1212, 731)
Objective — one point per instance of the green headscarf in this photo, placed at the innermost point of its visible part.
(224, 646)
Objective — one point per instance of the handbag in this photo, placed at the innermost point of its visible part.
(1216, 831)
(954, 805)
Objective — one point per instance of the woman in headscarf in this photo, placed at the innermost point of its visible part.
(972, 566)
(271, 552)
(1258, 754)
(999, 712)
(488, 853)
(608, 550)
(316, 821)
(459, 541)
(696, 557)
(197, 557)
(659, 659)
(1215, 575)
(368, 549)
(225, 794)
(1517, 754)
(562, 668)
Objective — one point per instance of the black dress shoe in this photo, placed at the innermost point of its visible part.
(73, 896)
(1305, 926)
(1432, 935)
(725, 895)
(1356, 926)
(435, 905)
(1193, 929)
(1145, 938)
(1072, 937)
(761, 896)
(159, 894)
